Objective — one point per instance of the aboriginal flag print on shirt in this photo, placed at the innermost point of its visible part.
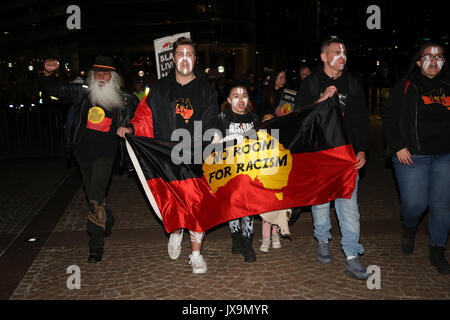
(300, 159)
(187, 102)
(99, 137)
(98, 119)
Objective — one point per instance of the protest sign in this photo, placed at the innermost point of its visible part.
(163, 53)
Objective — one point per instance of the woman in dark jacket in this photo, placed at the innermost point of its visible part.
(416, 121)
(271, 95)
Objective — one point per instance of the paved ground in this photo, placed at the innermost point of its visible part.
(136, 264)
(28, 184)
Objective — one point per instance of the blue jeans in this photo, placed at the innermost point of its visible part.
(348, 216)
(426, 183)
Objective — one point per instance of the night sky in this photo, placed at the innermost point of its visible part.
(282, 33)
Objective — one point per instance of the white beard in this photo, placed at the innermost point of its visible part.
(106, 96)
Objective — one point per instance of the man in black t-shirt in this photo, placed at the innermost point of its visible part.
(175, 102)
(99, 109)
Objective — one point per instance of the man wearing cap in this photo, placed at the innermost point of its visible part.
(102, 108)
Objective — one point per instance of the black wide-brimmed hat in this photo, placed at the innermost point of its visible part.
(103, 63)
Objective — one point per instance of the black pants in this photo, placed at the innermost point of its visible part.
(96, 176)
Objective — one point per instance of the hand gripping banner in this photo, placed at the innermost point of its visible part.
(299, 159)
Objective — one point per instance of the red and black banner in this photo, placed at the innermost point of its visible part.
(299, 159)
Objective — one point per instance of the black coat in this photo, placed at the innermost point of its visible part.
(400, 116)
(78, 96)
(161, 102)
(356, 115)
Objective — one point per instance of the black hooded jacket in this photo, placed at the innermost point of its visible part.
(417, 116)
(163, 110)
(351, 98)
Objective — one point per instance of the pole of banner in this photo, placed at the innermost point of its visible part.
(142, 179)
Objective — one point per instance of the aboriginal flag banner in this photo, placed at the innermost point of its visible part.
(299, 159)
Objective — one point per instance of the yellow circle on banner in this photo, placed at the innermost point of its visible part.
(286, 108)
(96, 115)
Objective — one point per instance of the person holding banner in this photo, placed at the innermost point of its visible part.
(333, 81)
(175, 102)
(237, 119)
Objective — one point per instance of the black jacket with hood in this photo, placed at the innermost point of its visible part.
(155, 116)
(401, 112)
(356, 115)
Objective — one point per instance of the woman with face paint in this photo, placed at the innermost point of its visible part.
(416, 121)
(238, 120)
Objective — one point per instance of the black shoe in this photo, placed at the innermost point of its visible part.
(249, 253)
(354, 268)
(237, 247)
(109, 223)
(95, 255)
(408, 239)
(295, 215)
(437, 259)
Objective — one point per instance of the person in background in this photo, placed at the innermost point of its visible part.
(139, 87)
(305, 71)
(416, 120)
(270, 235)
(271, 94)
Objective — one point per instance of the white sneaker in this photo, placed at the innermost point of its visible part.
(198, 264)
(276, 244)
(265, 246)
(174, 245)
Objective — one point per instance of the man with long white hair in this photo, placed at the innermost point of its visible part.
(101, 108)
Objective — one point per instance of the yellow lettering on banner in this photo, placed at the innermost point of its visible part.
(264, 158)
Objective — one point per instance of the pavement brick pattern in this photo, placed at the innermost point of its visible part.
(136, 264)
(27, 189)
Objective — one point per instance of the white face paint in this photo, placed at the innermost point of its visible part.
(426, 63)
(339, 56)
(189, 61)
(440, 63)
(235, 100)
